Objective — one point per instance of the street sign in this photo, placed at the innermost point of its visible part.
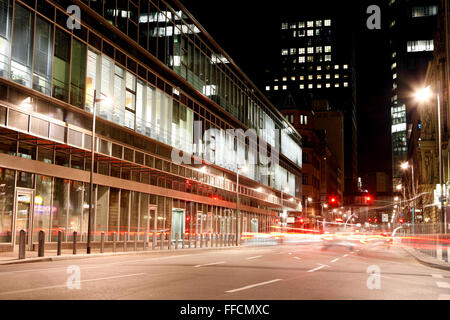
(384, 217)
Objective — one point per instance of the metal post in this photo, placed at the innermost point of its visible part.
(114, 242)
(201, 240)
(414, 196)
(169, 241)
(59, 244)
(189, 240)
(91, 174)
(102, 242)
(162, 241)
(182, 241)
(217, 240)
(41, 243)
(176, 241)
(195, 241)
(221, 240)
(154, 240)
(441, 174)
(74, 242)
(206, 240)
(125, 238)
(135, 241)
(22, 240)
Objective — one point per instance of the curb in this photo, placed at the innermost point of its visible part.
(424, 261)
(107, 254)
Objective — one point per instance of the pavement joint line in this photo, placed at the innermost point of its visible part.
(65, 285)
(255, 257)
(253, 285)
(444, 285)
(209, 264)
(437, 276)
(444, 297)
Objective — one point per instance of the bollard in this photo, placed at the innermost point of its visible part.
(221, 240)
(41, 246)
(217, 240)
(74, 242)
(182, 241)
(114, 242)
(102, 242)
(125, 238)
(135, 242)
(176, 241)
(154, 241)
(22, 244)
(189, 241)
(195, 241)
(225, 240)
(201, 240)
(162, 240)
(169, 241)
(144, 246)
(206, 240)
(59, 245)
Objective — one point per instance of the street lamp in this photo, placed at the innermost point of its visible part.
(424, 95)
(107, 102)
(405, 166)
(308, 199)
(238, 218)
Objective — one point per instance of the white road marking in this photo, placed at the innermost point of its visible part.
(65, 285)
(253, 285)
(334, 260)
(290, 253)
(345, 255)
(297, 258)
(255, 257)
(315, 269)
(209, 264)
(437, 276)
(444, 285)
(444, 297)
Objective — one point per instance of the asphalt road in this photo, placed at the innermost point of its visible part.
(288, 272)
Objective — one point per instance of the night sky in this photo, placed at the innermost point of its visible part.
(248, 32)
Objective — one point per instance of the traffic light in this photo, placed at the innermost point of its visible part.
(401, 220)
(370, 220)
(368, 199)
(376, 220)
(301, 220)
(333, 201)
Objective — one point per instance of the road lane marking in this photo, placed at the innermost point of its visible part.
(297, 258)
(255, 257)
(253, 285)
(209, 264)
(345, 255)
(65, 284)
(437, 276)
(444, 297)
(334, 260)
(442, 284)
(315, 269)
(290, 253)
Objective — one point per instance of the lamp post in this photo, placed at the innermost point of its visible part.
(405, 166)
(423, 95)
(91, 174)
(238, 213)
(308, 199)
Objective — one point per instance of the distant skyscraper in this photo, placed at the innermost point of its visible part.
(316, 62)
(411, 24)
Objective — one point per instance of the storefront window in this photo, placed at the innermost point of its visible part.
(59, 210)
(134, 215)
(113, 213)
(61, 66)
(124, 212)
(22, 46)
(6, 204)
(42, 206)
(144, 217)
(5, 37)
(101, 219)
(78, 74)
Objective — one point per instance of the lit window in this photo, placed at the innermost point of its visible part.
(328, 57)
(318, 49)
(284, 25)
(301, 50)
(345, 84)
(336, 85)
(301, 59)
(420, 45)
(392, 24)
(394, 54)
(336, 67)
(302, 86)
(318, 23)
(394, 76)
(310, 77)
(310, 49)
(293, 51)
(336, 76)
(317, 32)
(301, 24)
(275, 88)
(327, 76)
(327, 48)
(302, 78)
(293, 78)
(394, 65)
(327, 85)
(284, 52)
(293, 26)
(284, 87)
(284, 78)
(345, 66)
(310, 86)
(319, 77)
(310, 24)
(319, 68)
(310, 59)
(310, 33)
(301, 33)
(276, 80)
(327, 23)
(426, 11)
(319, 86)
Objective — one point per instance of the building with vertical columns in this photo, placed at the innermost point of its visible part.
(168, 147)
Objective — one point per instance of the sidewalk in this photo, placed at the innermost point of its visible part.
(7, 258)
(426, 259)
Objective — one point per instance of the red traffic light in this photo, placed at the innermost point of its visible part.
(401, 220)
(370, 219)
(333, 200)
(301, 220)
(368, 198)
(376, 220)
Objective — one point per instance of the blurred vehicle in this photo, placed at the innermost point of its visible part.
(350, 240)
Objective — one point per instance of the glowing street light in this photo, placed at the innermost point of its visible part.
(424, 94)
